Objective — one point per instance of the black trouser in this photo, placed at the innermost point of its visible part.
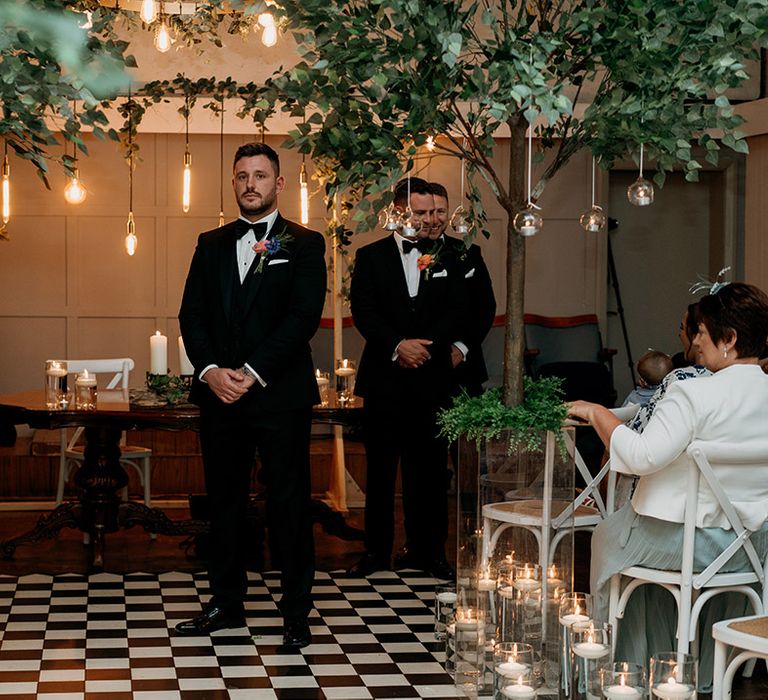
(406, 433)
(229, 438)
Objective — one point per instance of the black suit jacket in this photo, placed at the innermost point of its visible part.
(385, 314)
(281, 314)
(481, 302)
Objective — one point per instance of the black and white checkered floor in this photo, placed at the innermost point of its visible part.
(110, 637)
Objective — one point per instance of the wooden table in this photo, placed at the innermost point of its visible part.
(99, 509)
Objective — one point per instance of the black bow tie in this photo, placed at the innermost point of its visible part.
(242, 227)
(420, 245)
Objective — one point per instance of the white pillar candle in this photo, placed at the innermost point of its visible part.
(55, 370)
(158, 353)
(570, 618)
(321, 379)
(446, 597)
(590, 650)
(511, 669)
(621, 692)
(86, 379)
(519, 690)
(185, 366)
(672, 690)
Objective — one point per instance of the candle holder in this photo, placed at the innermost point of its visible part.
(590, 653)
(469, 637)
(345, 381)
(445, 608)
(171, 388)
(673, 676)
(85, 392)
(573, 608)
(511, 662)
(56, 397)
(323, 386)
(623, 681)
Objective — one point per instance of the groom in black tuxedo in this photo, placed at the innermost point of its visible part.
(410, 310)
(252, 302)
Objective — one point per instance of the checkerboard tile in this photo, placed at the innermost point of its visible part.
(108, 637)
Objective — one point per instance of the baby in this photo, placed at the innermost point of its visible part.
(652, 368)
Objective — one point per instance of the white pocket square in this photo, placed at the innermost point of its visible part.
(277, 261)
(471, 273)
(442, 273)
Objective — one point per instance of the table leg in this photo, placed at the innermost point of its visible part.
(47, 527)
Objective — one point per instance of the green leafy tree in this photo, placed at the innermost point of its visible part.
(49, 57)
(376, 77)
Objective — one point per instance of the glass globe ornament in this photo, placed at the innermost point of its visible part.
(409, 224)
(640, 192)
(593, 220)
(528, 221)
(459, 221)
(390, 218)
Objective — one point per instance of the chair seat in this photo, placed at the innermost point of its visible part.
(746, 633)
(531, 512)
(126, 451)
(674, 577)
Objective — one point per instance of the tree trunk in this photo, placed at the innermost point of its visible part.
(514, 333)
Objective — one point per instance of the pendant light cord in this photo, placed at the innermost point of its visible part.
(221, 156)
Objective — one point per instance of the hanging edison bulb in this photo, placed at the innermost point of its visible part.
(75, 192)
(528, 221)
(268, 29)
(390, 218)
(640, 192)
(304, 194)
(430, 144)
(6, 187)
(148, 11)
(163, 36)
(186, 193)
(460, 221)
(131, 241)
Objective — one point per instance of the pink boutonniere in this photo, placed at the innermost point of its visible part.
(270, 247)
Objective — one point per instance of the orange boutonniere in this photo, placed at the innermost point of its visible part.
(425, 262)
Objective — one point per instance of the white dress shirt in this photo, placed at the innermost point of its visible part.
(410, 263)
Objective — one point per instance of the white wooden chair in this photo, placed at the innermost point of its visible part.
(750, 634)
(548, 519)
(71, 453)
(692, 590)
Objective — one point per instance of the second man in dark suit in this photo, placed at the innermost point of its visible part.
(410, 309)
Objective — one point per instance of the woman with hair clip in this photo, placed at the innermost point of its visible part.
(730, 407)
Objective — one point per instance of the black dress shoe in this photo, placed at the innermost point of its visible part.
(296, 634)
(441, 569)
(211, 620)
(406, 559)
(368, 564)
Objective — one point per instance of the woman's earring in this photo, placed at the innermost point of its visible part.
(725, 354)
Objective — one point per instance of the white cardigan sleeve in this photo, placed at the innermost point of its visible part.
(666, 436)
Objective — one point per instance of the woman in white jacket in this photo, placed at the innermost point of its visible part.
(730, 406)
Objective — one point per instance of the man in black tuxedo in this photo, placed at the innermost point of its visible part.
(252, 302)
(472, 372)
(410, 310)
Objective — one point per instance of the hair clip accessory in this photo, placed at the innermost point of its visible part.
(704, 285)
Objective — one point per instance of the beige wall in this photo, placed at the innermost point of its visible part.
(756, 213)
(67, 288)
